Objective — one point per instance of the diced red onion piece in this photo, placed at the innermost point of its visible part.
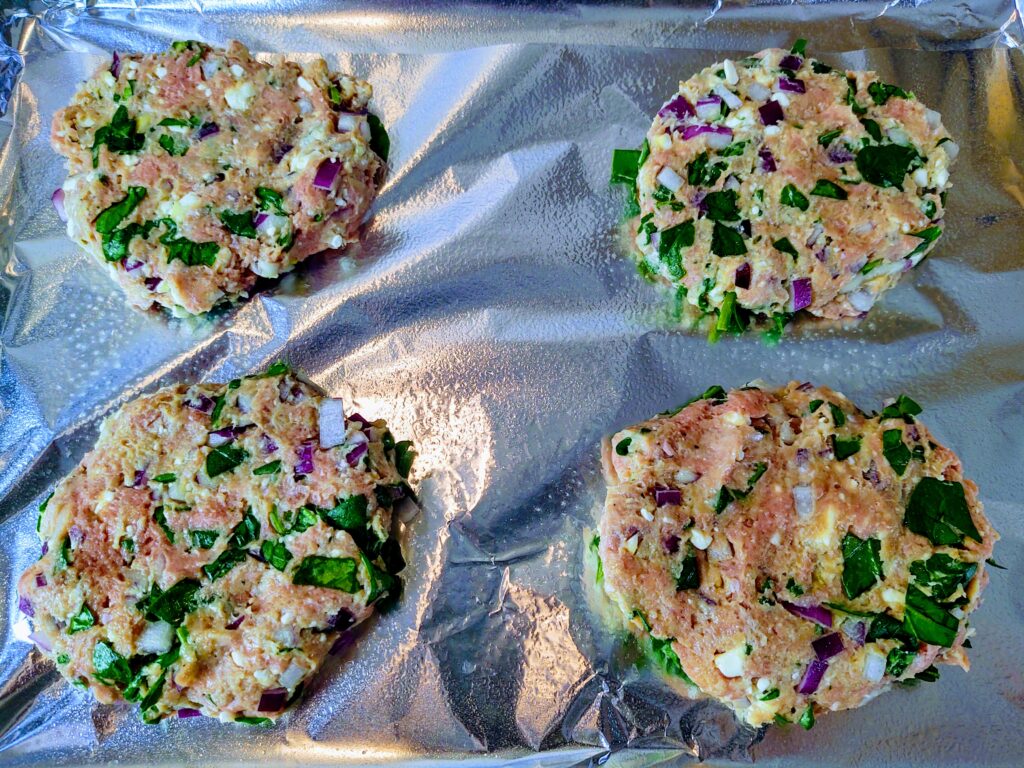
(345, 641)
(268, 444)
(341, 621)
(802, 455)
(25, 606)
(709, 108)
(771, 113)
(791, 62)
(812, 677)
(115, 65)
(40, 579)
(236, 622)
(153, 282)
(203, 404)
(259, 218)
(793, 85)
(803, 501)
(758, 92)
(767, 160)
(353, 456)
(827, 646)
(728, 97)
(872, 475)
(856, 630)
(360, 419)
(44, 550)
(273, 700)
(874, 666)
(801, 288)
(839, 154)
(327, 174)
(670, 179)
(140, 478)
(816, 231)
(188, 712)
(665, 496)
(57, 198)
(40, 639)
(256, 555)
(671, 543)
(221, 437)
(332, 422)
(305, 463)
(742, 278)
(280, 151)
(75, 535)
(862, 301)
(130, 265)
(206, 130)
(815, 613)
(678, 107)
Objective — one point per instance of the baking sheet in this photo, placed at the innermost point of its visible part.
(489, 316)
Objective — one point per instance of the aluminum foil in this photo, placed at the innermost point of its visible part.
(490, 316)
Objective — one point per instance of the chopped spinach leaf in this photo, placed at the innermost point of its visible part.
(240, 224)
(247, 720)
(120, 135)
(166, 477)
(110, 217)
(349, 514)
(873, 128)
(224, 458)
(595, 546)
(928, 236)
(731, 318)
(63, 557)
(938, 510)
(870, 266)
(203, 539)
(783, 244)
(673, 240)
(829, 136)
(845, 447)
(927, 621)
(664, 656)
(885, 627)
(769, 695)
(726, 241)
(701, 172)
(942, 575)
(862, 565)
(826, 188)
(109, 666)
(270, 199)
(838, 417)
(331, 572)
(794, 198)
(173, 605)
(161, 519)
(625, 166)
(81, 620)
(175, 146)
(622, 447)
(225, 561)
(851, 97)
(886, 165)
(404, 457)
(881, 92)
(897, 661)
(380, 142)
(799, 47)
(807, 718)
(246, 532)
(689, 573)
(733, 150)
(903, 407)
(992, 561)
(276, 554)
(721, 205)
(793, 587)
(269, 468)
(895, 450)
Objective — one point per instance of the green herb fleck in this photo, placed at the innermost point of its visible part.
(380, 142)
(110, 667)
(881, 92)
(829, 136)
(845, 447)
(270, 468)
(904, 407)
(81, 620)
(826, 188)
(622, 447)
(270, 199)
(203, 539)
(161, 519)
(227, 560)
(276, 554)
(783, 244)
(240, 224)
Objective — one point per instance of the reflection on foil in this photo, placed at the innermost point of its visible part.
(491, 316)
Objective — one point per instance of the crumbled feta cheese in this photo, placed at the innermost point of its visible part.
(632, 543)
(731, 76)
(892, 596)
(160, 72)
(664, 141)
(731, 663)
(240, 96)
(304, 84)
(336, 241)
(699, 539)
(771, 130)
(237, 71)
(646, 514)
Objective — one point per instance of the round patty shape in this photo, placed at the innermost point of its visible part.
(195, 171)
(209, 550)
(776, 184)
(799, 555)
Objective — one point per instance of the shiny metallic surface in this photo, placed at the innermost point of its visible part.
(490, 316)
